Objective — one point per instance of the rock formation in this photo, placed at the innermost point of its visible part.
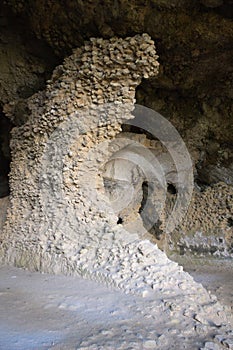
(193, 90)
(70, 138)
(60, 219)
(57, 155)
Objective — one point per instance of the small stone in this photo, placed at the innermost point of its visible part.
(228, 343)
(200, 319)
(211, 346)
(149, 344)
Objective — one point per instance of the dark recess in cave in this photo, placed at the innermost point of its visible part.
(225, 9)
(119, 221)
(136, 130)
(171, 189)
(230, 222)
(150, 222)
(145, 191)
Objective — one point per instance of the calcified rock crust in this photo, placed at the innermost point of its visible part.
(55, 155)
(192, 90)
(59, 218)
(207, 228)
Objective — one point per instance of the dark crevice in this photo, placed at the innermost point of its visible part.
(148, 212)
(136, 130)
(171, 189)
(145, 190)
(201, 184)
(230, 222)
(119, 221)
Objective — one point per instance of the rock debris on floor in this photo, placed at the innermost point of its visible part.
(43, 312)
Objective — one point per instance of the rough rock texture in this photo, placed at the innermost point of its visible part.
(4, 202)
(61, 312)
(60, 219)
(208, 227)
(25, 64)
(146, 203)
(25, 61)
(55, 168)
(193, 88)
(208, 136)
(193, 37)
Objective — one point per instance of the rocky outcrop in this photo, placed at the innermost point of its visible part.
(61, 216)
(193, 88)
(206, 228)
(60, 219)
(56, 195)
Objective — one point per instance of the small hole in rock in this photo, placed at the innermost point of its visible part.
(171, 189)
(145, 190)
(230, 222)
(119, 221)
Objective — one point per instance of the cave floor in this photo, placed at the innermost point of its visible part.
(42, 311)
(218, 281)
(216, 275)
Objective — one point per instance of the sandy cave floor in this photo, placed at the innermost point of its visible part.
(216, 275)
(41, 311)
(218, 281)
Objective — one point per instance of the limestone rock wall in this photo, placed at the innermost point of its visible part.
(25, 64)
(59, 219)
(192, 37)
(4, 202)
(59, 215)
(207, 227)
(193, 88)
(207, 132)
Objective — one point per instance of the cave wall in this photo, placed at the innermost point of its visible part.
(205, 230)
(26, 62)
(193, 38)
(193, 89)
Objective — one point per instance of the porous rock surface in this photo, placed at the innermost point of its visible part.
(205, 229)
(4, 202)
(55, 155)
(193, 88)
(60, 219)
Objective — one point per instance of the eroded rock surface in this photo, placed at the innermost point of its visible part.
(206, 228)
(60, 219)
(24, 65)
(4, 202)
(193, 88)
(83, 107)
